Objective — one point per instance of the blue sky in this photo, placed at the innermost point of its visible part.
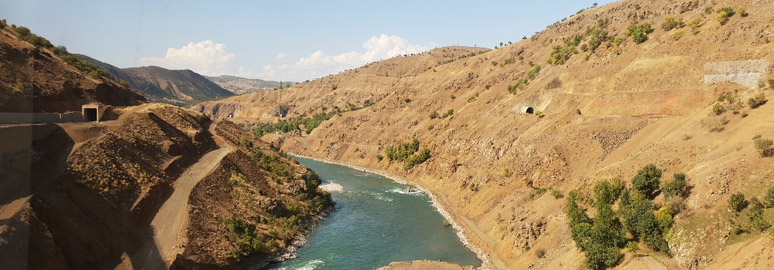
(278, 40)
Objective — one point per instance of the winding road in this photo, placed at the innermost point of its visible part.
(170, 222)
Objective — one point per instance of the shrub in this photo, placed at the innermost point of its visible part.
(675, 187)
(419, 158)
(507, 173)
(560, 54)
(755, 215)
(633, 246)
(38, 41)
(742, 12)
(494, 63)
(597, 36)
(737, 203)
(769, 199)
(639, 32)
(23, 31)
(473, 187)
(124, 83)
(379, 157)
(533, 72)
(60, 51)
(708, 10)
(86, 67)
(670, 23)
(725, 13)
(771, 83)
(434, 115)
(765, 147)
(448, 113)
(647, 180)
(757, 101)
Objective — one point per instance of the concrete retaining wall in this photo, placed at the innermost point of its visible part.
(25, 118)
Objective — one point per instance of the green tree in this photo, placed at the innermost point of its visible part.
(675, 187)
(769, 200)
(647, 180)
(607, 192)
(639, 32)
(737, 203)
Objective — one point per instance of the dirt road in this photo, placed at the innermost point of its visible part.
(170, 222)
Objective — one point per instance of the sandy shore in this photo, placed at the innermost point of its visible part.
(436, 204)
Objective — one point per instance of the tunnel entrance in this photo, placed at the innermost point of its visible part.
(529, 110)
(90, 114)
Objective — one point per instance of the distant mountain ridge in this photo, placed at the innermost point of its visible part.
(178, 87)
(239, 85)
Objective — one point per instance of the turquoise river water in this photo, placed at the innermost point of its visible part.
(375, 222)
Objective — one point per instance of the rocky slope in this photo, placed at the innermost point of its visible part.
(34, 79)
(256, 207)
(604, 113)
(240, 86)
(99, 186)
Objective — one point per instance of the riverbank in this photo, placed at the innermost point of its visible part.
(300, 239)
(437, 203)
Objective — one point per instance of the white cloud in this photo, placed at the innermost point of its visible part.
(205, 57)
(210, 58)
(376, 48)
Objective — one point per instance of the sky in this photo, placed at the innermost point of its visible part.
(277, 40)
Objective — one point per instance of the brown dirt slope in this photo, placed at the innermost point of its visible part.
(606, 113)
(173, 86)
(101, 205)
(255, 206)
(34, 79)
(371, 82)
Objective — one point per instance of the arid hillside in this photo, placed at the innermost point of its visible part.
(36, 78)
(240, 86)
(137, 193)
(598, 96)
(174, 86)
(178, 87)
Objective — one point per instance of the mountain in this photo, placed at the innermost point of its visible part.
(154, 186)
(240, 86)
(33, 78)
(164, 85)
(517, 133)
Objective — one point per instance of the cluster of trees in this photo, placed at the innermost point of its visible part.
(670, 23)
(408, 153)
(753, 219)
(26, 35)
(249, 237)
(730, 101)
(725, 13)
(434, 114)
(309, 123)
(639, 32)
(86, 67)
(593, 37)
(603, 236)
(522, 82)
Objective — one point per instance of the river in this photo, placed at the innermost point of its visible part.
(375, 222)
